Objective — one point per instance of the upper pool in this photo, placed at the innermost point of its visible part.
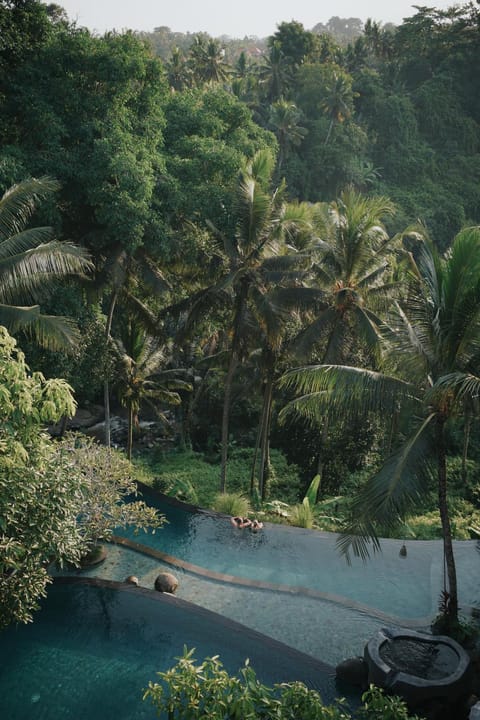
(405, 588)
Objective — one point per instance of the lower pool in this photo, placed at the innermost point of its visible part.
(94, 647)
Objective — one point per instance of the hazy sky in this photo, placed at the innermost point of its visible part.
(236, 18)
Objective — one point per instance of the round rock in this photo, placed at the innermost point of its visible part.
(132, 580)
(353, 671)
(166, 582)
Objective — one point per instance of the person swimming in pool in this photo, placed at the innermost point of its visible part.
(256, 525)
(241, 522)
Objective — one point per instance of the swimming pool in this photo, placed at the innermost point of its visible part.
(94, 647)
(405, 589)
(90, 655)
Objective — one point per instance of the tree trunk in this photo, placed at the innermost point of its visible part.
(329, 132)
(106, 389)
(241, 305)
(466, 441)
(255, 453)
(130, 431)
(225, 416)
(321, 464)
(451, 605)
(265, 437)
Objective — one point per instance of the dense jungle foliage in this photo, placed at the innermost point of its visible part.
(251, 206)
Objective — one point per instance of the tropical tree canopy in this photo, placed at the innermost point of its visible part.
(32, 262)
(432, 355)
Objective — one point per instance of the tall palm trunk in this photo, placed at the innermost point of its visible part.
(106, 388)
(466, 441)
(256, 451)
(330, 128)
(241, 306)
(452, 604)
(225, 418)
(130, 431)
(265, 438)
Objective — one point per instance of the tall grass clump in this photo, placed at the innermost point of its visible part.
(232, 504)
(301, 515)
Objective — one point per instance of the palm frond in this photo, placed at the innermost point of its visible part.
(368, 326)
(299, 298)
(390, 494)
(253, 210)
(312, 408)
(22, 276)
(260, 167)
(20, 201)
(49, 331)
(285, 263)
(464, 385)
(345, 388)
(315, 332)
(20, 242)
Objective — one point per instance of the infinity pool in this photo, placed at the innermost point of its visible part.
(92, 649)
(404, 588)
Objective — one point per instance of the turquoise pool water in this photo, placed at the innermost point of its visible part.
(92, 650)
(403, 588)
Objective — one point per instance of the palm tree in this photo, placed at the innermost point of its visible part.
(120, 273)
(255, 258)
(433, 342)
(284, 121)
(143, 377)
(338, 100)
(355, 261)
(275, 74)
(32, 263)
(178, 71)
(207, 60)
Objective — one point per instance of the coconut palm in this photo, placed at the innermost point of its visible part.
(178, 71)
(338, 100)
(121, 273)
(255, 259)
(144, 379)
(207, 60)
(354, 265)
(355, 260)
(275, 74)
(32, 263)
(434, 353)
(284, 121)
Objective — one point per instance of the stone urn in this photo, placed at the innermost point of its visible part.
(166, 582)
(419, 667)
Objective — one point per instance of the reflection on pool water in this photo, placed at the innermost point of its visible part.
(92, 650)
(406, 588)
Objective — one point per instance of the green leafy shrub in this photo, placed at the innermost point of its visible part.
(379, 706)
(189, 691)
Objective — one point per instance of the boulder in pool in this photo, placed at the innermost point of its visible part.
(353, 671)
(166, 582)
